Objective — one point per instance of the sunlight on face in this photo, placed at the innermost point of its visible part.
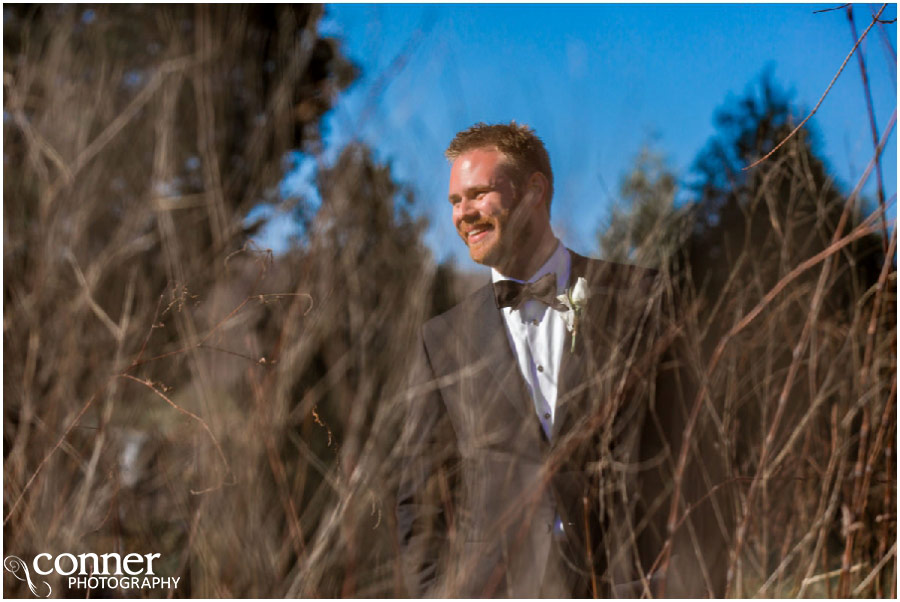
(485, 207)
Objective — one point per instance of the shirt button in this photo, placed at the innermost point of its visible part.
(546, 415)
(534, 322)
(540, 368)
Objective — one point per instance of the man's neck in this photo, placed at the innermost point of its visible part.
(533, 262)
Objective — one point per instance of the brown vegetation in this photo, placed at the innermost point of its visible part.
(170, 388)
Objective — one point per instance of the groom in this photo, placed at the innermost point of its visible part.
(542, 431)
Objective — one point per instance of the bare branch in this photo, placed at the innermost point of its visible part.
(828, 89)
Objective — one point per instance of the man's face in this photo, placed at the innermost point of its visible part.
(486, 210)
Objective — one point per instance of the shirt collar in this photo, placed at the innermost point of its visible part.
(560, 262)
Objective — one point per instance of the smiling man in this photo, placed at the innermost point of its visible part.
(540, 438)
(496, 211)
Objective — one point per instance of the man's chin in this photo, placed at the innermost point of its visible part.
(485, 257)
(477, 255)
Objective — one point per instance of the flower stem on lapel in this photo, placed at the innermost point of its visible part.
(574, 299)
(574, 331)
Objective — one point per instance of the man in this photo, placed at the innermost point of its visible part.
(541, 435)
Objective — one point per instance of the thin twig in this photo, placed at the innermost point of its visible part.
(862, 586)
(826, 10)
(37, 470)
(95, 307)
(818, 104)
(202, 343)
(822, 577)
(870, 110)
(153, 325)
(144, 96)
(230, 476)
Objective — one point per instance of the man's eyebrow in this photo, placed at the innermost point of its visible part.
(480, 188)
(470, 191)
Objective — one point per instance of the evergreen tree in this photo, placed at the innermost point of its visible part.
(647, 228)
(794, 378)
(781, 378)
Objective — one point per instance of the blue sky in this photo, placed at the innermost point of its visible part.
(596, 82)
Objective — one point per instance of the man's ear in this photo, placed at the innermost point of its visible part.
(537, 189)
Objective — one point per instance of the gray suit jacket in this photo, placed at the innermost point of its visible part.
(481, 486)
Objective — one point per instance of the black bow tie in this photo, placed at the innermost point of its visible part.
(510, 293)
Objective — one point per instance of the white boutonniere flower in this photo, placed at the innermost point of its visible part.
(574, 299)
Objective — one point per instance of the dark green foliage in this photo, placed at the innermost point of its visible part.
(798, 379)
(649, 228)
(775, 215)
(808, 353)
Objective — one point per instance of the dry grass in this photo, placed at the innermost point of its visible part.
(169, 389)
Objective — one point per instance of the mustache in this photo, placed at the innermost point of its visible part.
(465, 227)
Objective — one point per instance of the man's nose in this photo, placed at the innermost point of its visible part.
(466, 210)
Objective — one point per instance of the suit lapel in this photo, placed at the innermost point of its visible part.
(489, 342)
(614, 311)
(570, 385)
(581, 365)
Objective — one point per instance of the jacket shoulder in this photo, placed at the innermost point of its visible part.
(442, 325)
(611, 276)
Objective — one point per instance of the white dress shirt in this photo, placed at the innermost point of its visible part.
(537, 335)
